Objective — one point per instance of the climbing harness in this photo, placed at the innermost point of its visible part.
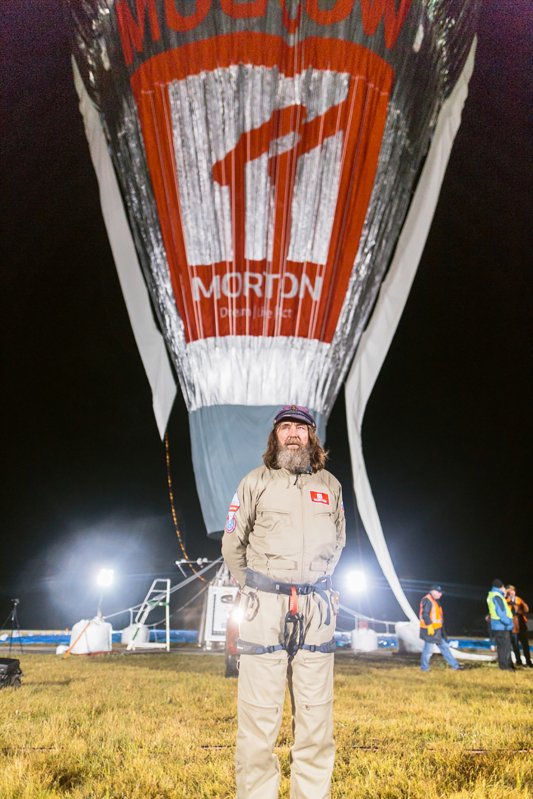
(293, 628)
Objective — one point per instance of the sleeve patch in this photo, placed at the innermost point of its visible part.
(231, 522)
(230, 525)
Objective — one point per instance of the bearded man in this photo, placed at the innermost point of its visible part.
(283, 537)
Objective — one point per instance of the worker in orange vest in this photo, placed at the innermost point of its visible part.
(432, 629)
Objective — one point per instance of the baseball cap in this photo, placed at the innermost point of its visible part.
(296, 412)
(436, 588)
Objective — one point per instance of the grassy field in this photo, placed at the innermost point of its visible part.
(159, 726)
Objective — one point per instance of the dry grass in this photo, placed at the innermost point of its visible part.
(157, 726)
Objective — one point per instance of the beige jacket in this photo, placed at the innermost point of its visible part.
(288, 527)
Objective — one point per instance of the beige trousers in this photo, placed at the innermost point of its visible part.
(261, 694)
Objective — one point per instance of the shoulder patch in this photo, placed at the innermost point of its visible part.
(231, 522)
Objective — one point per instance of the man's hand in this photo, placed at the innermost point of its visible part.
(430, 629)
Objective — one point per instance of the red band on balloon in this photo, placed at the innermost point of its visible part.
(244, 10)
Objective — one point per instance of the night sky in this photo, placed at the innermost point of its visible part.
(447, 431)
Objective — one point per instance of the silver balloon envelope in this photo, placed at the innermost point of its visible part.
(266, 155)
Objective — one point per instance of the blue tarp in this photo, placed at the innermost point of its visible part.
(342, 639)
(176, 636)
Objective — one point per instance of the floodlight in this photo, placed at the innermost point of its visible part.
(356, 581)
(237, 615)
(105, 577)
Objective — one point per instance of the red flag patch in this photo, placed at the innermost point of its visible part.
(319, 496)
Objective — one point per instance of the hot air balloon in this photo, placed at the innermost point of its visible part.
(263, 166)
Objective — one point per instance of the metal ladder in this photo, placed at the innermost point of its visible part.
(157, 597)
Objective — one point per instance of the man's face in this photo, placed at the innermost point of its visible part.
(292, 435)
(511, 594)
(436, 594)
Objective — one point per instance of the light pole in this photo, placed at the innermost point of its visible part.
(104, 580)
(356, 584)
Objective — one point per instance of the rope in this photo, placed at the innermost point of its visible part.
(173, 509)
(71, 647)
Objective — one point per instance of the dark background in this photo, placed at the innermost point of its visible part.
(447, 430)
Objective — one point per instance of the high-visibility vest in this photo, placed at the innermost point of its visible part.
(522, 609)
(435, 613)
(492, 608)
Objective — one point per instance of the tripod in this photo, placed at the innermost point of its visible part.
(13, 624)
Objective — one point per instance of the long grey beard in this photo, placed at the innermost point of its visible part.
(295, 461)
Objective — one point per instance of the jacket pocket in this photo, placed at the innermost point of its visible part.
(271, 521)
(319, 565)
(277, 562)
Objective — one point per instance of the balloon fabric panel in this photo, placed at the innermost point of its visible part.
(267, 153)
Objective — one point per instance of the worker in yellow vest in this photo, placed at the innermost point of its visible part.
(501, 624)
(432, 629)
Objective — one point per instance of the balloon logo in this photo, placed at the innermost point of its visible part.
(261, 210)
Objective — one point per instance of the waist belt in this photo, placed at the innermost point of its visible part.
(247, 648)
(293, 633)
(263, 583)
